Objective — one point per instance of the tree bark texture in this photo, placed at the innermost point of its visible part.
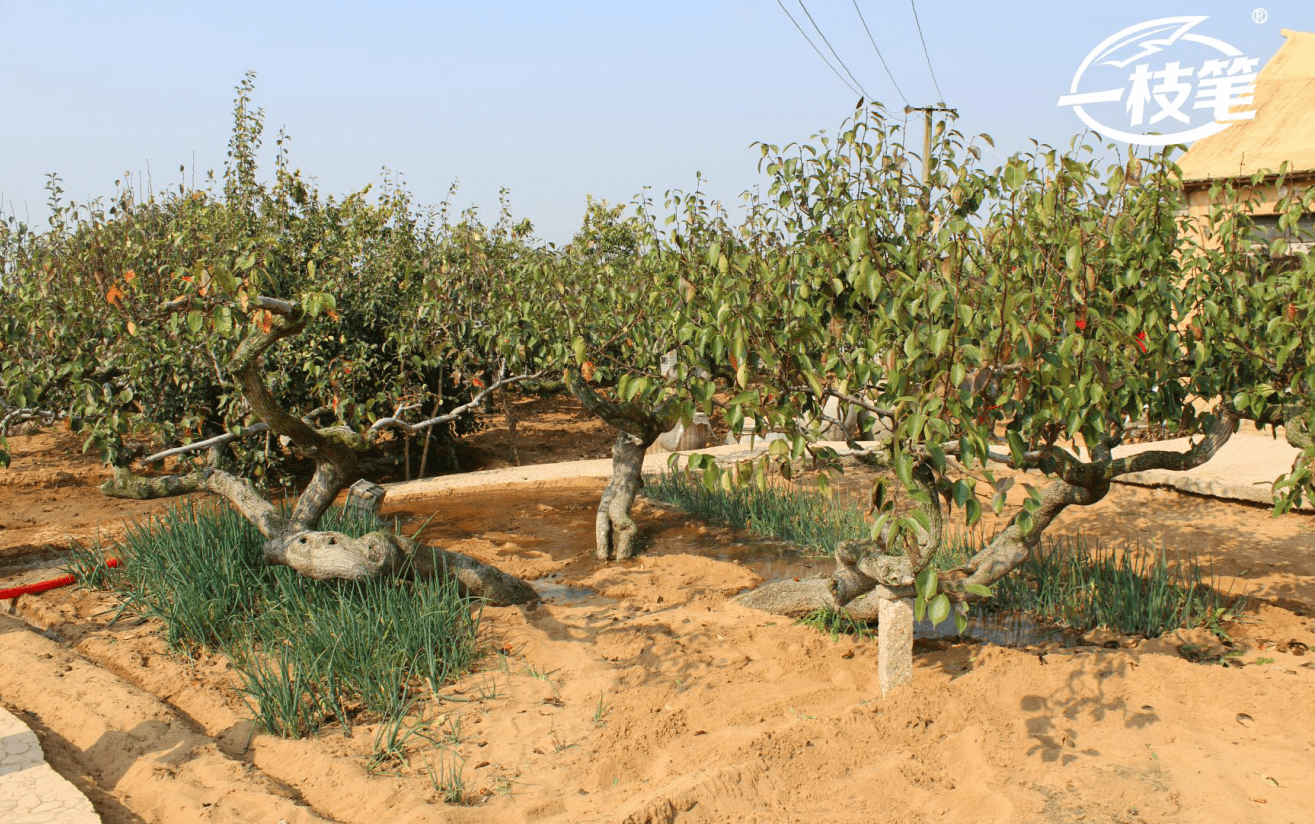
(323, 554)
(615, 532)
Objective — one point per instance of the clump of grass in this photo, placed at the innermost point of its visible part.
(289, 701)
(1074, 582)
(812, 520)
(836, 623)
(89, 565)
(1084, 584)
(307, 651)
(448, 779)
(394, 736)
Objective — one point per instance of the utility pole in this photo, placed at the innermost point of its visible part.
(926, 146)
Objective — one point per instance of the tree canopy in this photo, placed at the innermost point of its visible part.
(1031, 315)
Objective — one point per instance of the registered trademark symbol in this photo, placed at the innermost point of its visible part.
(1260, 15)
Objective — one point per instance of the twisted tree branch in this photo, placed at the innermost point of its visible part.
(474, 403)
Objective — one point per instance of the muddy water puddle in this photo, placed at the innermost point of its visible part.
(556, 592)
(1011, 630)
(556, 526)
(559, 523)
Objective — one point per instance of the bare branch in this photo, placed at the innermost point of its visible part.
(278, 306)
(1225, 422)
(26, 413)
(861, 403)
(218, 440)
(1290, 417)
(286, 308)
(239, 492)
(176, 304)
(394, 422)
(1030, 459)
(384, 423)
(627, 417)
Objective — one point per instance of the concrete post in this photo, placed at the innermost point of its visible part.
(894, 639)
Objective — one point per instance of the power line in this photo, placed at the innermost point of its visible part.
(879, 55)
(833, 51)
(924, 50)
(819, 51)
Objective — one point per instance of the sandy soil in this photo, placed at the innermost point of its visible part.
(48, 497)
(636, 693)
(548, 429)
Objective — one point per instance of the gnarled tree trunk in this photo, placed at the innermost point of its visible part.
(615, 532)
(296, 541)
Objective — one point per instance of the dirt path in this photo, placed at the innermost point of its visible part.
(636, 693)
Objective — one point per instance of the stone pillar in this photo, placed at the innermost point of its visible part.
(894, 639)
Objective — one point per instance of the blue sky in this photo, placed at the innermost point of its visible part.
(555, 100)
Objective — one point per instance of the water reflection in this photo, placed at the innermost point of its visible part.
(555, 592)
(773, 560)
(1012, 629)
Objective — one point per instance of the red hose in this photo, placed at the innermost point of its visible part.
(42, 586)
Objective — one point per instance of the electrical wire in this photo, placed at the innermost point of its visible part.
(925, 54)
(833, 51)
(819, 51)
(879, 55)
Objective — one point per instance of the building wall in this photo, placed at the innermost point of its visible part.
(1263, 200)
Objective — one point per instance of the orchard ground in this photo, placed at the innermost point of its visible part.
(635, 692)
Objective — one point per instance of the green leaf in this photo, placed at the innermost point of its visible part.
(919, 608)
(938, 342)
(926, 583)
(938, 609)
(961, 492)
(972, 511)
(1073, 256)
(904, 470)
(1024, 522)
(1016, 445)
(635, 386)
(978, 589)
(577, 346)
(960, 623)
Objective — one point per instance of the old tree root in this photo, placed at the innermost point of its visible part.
(296, 541)
(850, 588)
(325, 554)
